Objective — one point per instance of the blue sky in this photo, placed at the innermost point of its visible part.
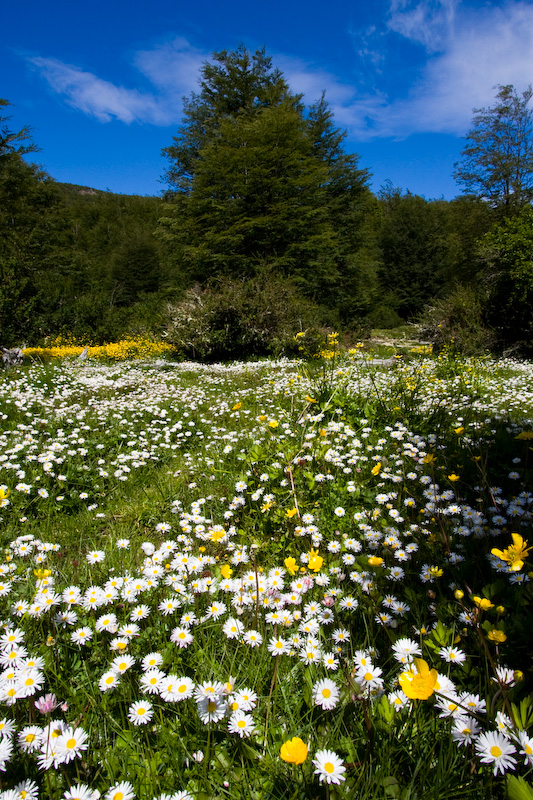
(101, 82)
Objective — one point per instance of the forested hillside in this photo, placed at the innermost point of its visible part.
(266, 216)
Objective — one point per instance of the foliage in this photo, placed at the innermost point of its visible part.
(255, 179)
(238, 318)
(507, 253)
(457, 323)
(497, 160)
(415, 251)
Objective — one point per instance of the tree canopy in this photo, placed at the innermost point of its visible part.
(257, 178)
(497, 161)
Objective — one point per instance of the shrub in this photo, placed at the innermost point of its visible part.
(457, 323)
(238, 318)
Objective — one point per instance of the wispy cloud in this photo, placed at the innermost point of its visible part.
(172, 69)
(427, 22)
(465, 51)
(478, 49)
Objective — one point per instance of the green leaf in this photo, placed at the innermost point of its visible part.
(518, 788)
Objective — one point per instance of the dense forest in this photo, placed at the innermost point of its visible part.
(268, 226)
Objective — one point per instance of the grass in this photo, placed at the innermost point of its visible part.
(278, 539)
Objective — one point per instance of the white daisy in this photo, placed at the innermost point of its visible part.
(329, 767)
(495, 749)
(326, 694)
(140, 713)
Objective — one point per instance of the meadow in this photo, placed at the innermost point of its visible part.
(275, 579)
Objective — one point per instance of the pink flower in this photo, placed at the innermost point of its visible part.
(47, 703)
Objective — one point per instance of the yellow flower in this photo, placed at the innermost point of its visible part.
(376, 469)
(483, 603)
(436, 572)
(291, 512)
(428, 459)
(459, 594)
(226, 571)
(310, 399)
(42, 573)
(273, 423)
(525, 435)
(290, 565)
(375, 561)
(459, 430)
(514, 554)
(294, 751)
(419, 685)
(236, 406)
(315, 561)
(497, 636)
(453, 477)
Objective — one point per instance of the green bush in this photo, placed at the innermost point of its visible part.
(238, 318)
(457, 323)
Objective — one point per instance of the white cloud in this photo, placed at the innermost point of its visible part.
(172, 68)
(485, 47)
(97, 97)
(427, 22)
(467, 52)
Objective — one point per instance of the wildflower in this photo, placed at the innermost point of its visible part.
(70, 744)
(278, 647)
(514, 554)
(252, 638)
(325, 694)
(109, 680)
(315, 561)
(405, 650)
(140, 713)
(495, 749)
(29, 738)
(6, 750)
(419, 685)
(181, 637)
(95, 556)
(233, 628)
(483, 603)
(294, 751)
(241, 723)
(122, 663)
(329, 767)
(291, 565)
(526, 747)
(7, 728)
(452, 655)
(464, 730)
(150, 682)
(121, 791)
(81, 792)
(496, 636)
(81, 636)
(211, 709)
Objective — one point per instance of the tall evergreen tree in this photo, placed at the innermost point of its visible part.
(255, 180)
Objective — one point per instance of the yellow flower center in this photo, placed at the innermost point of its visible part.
(326, 693)
(328, 766)
(495, 751)
(70, 744)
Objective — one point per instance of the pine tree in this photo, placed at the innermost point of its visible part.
(255, 180)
